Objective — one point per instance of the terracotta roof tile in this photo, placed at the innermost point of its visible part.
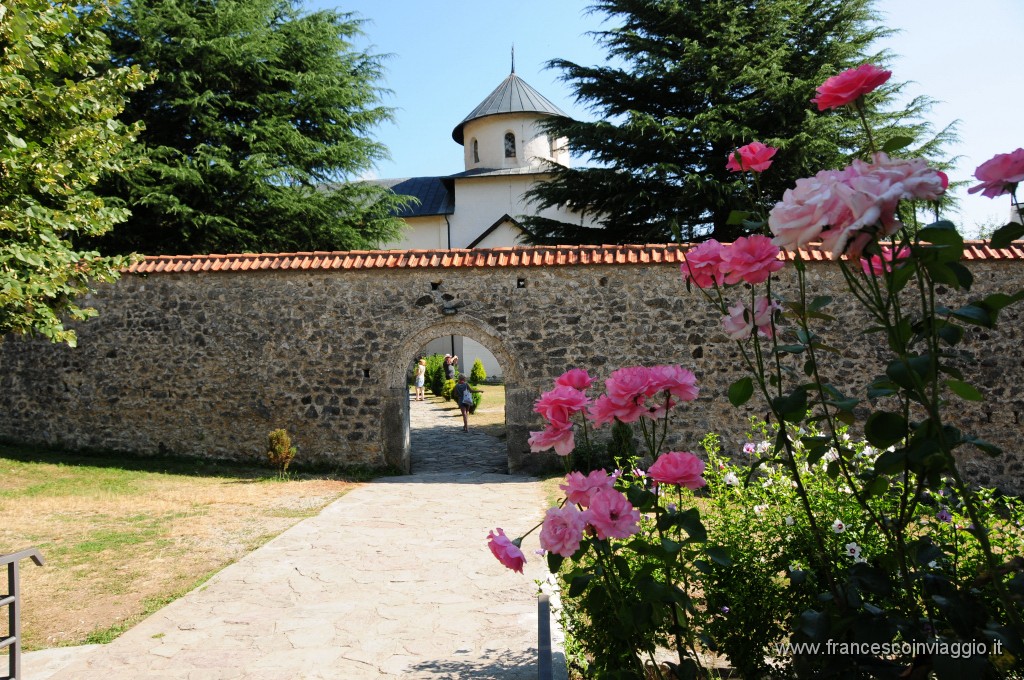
(516, 256)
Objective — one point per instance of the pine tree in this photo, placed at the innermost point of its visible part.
(259, 119)
(57, 120)
(688, 82)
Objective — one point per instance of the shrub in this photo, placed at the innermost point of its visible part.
(434, 379)
(280, 451)
(447, 387)
(477, 375)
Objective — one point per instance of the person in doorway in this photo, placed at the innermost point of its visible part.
(464, 398)
(449, 367)
(421, 376)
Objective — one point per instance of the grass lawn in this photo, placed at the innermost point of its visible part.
(123, 537)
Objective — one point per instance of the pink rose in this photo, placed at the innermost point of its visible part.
(846, 208)
(577, 378)
(561, 439)
(1000, 174)
(764, 310)
(562, 530)
(560, 404)
(604, 411)
(751, 259)
(680, 468)
(507, 552)
(628, 384)
(846, 87)
(737, 323)
(755, 157)
(877, 265)
(805, 210)
(676, 380)
(579, 488)
(702, 264)
(612, 515)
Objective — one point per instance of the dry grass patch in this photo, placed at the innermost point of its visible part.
(120, 543)
(489, 417)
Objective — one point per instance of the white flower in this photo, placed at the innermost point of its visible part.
(764, 446)
(731, 479)
(790, 521)
(838, 526)
(845, 489)
(831, 456)
(869, 451)
(853, 550)
(767, 482)
(933, 565)
(859, 560)
(759, 509)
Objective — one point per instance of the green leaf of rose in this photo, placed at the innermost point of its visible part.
(964, 390)
(741, 391)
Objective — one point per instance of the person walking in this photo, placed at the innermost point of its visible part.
(464, 398)
(421, 376)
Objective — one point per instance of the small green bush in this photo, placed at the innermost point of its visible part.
(280, 451)
(477, 375)
(447, 387)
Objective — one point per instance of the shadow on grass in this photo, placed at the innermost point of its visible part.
(240, 472)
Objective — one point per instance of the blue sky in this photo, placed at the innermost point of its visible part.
(447, 56)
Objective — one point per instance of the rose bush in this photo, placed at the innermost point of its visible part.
(817, 539)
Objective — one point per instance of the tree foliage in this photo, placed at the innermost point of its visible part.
(259, 119)
(58, 128)
(689, 81)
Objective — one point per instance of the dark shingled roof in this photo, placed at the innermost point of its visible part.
(498, 172)
(512, 96)
(434, 194)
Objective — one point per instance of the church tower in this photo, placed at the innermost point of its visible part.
(504, 132)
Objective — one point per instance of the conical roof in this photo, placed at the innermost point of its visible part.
(514, 95)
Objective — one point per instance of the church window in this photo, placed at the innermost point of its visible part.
(510, 145)
(476, 151)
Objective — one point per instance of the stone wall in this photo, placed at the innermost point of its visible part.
(206, 364)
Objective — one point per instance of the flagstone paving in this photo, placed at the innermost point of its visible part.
(392, 580)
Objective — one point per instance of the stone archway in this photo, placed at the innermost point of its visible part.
(395, 423)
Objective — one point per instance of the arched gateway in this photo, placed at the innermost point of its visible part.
(204, 355)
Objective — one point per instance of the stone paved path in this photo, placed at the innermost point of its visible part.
(392, 580)
(439, 444)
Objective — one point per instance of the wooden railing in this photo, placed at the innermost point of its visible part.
(12, 600)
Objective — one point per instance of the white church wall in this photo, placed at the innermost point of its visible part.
(532, 146)
(481, 201)
(505, 235)
(422, 233)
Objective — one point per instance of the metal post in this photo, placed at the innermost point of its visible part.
(13, 603)
(544, 668)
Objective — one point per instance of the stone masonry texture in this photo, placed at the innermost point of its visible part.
(208, 363)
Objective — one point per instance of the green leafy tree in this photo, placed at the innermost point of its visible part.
(257, 127)
(688, 82)
(57, 133)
